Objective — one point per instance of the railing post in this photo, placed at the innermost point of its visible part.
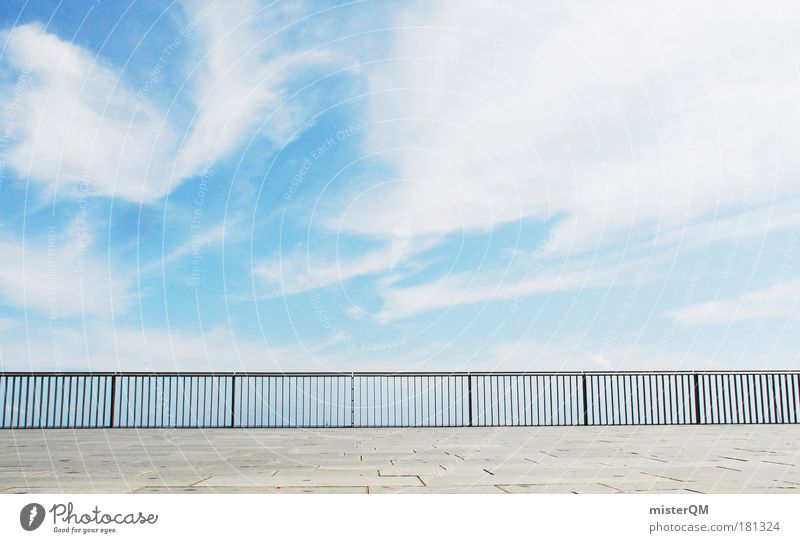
(696, 379)
(469, 396)
(233, 399)
(352, 400)
(113, 398)
(585, 417)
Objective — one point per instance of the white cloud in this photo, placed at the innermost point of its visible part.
(303, 271)
(103, 347)
(619, 119)
(297, 273)
(80, 121)
(470, 288)
(200, 239)
(240, 80)
(57, 277)
(571, 354)
(779, 300)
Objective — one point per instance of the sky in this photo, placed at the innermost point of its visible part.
(430, 185)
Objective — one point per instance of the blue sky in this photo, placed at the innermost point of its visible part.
(434, 185)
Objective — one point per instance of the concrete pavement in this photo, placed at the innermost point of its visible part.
(673, 459)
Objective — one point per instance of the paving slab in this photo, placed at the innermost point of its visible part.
(674, 459)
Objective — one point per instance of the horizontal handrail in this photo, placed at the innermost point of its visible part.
(399, 373)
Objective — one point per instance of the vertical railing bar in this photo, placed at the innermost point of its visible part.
(23, 407)
(29, 399)
(32, 409)
(469, 396)
(672, 388)
(58, 392)
(548, 403)
(68, 397)
(202, 386)
(232, 401)
(262, 403)
(76, 404)
(146, 397)
(47, 380)
(625, 413)
(161, 389)
(748, 402)
(776, 418)
(352, 400)
(16, 405)
(696, 384)
(541, 406)
(615, 399)
(662, 399)
(405, 382)
(585, 419)
(91, 398)
(45, 400)
(724, 392)
(452, 405)
(5, 400)
(218, 421)
(194, 400)
(87, 407)
(435, 404)
(602, 400)
(641, 393)
(526, 400)
(271, 401)
(715, 402)
(30, 403)
(20, 420)
(756, 384)
(23, 404)
(784, 398)
(686, 399)
(97, 403)
(111, 401)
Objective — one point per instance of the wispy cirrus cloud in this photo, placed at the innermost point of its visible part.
(83, 122)
(59, 276)
(301, 271)
(401, 302)
(624, 126)
(79, 123)
(781, 300)
(615, 119)
(241, 78)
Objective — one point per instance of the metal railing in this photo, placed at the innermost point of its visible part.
(339, 400)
